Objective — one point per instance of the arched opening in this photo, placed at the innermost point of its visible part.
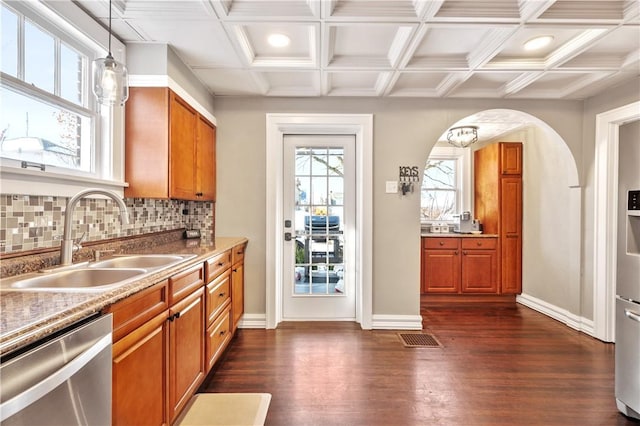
(552, 217)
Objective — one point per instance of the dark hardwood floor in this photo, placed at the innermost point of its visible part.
(498, 365)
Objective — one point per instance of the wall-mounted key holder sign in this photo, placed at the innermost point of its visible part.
(408, 175)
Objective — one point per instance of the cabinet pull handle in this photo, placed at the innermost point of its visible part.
(455, 252)
(239, 252)
(235, 269)
(220, 263)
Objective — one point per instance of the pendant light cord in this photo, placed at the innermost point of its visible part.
(109, 27)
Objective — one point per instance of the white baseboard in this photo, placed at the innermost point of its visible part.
(253, 321)
(396, 322)
(571, 320)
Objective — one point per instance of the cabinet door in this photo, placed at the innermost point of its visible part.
(186, 350)
(206, 160)
(479, 271)
(511, 158)
(441, 271)
(511, 235)
(182, 154)
(139, 375)
(237, 293)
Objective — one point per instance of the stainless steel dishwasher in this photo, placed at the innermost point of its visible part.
(63, 381)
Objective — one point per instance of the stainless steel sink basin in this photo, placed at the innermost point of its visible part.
(84, 279)
(94, 276)
(146, 261)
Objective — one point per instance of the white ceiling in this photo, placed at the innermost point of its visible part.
(391, 48)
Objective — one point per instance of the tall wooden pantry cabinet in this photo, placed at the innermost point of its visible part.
(498, 205)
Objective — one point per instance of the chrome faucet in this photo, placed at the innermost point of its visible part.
(66, 247)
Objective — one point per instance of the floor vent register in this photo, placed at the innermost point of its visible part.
(419, 340)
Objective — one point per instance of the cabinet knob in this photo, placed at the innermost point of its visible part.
(441, 243)
(455, 252)
(479, 243)
(221, 295)
(222, 332)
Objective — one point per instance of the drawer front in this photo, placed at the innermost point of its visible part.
(218, 336)
(135, 310)
(218, 295)
(184, 283)
(217, 264)
(479, 243)
(238, 253)
(450, 243)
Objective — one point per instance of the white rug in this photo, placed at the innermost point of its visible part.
(228, 409)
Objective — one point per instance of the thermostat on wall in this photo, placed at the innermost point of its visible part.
(192, 233)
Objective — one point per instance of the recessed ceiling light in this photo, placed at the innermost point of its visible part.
(279, 40)
(538, 42)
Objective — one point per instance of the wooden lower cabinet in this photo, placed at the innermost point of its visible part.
(140, 362)
(452, 265)
(168, 337)
(186, 350)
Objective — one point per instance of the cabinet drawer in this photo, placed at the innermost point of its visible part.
(217, 264)
(479, 243)
(135, 310)
(440, 243)
(238, 253)
(218, 336)
(218, 292)
(184, 283)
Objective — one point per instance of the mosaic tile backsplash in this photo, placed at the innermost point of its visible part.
(32, 222)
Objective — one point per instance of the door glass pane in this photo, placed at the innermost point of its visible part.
(39, 58)
(319, 224)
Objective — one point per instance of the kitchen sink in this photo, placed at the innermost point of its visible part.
(146, 261)
(84, 279)
(94, 276)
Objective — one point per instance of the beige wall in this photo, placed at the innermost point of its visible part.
(404, 132)
(612, 98)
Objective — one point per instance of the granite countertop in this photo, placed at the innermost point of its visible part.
(456, 235)
(27, 316)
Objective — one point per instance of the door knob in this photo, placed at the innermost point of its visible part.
(287, 236)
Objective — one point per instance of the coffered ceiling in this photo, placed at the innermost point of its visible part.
(391, 48)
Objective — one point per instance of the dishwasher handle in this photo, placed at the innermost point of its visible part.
(37, 391)
(632, 315)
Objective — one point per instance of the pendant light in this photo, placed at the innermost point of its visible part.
(110, 78)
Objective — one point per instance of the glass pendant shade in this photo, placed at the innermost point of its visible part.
(462, 136)
(110, 81)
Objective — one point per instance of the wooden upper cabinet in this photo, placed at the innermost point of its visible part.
(510, 158)
(169, 147)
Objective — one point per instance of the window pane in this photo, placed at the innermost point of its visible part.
(39, 58)
(9, 46)
(35, 131)
(440, 174)
(437, 205)
(70, 74)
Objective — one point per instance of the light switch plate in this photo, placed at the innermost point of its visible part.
(392, 186)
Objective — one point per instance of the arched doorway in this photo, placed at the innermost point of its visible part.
(552, 218)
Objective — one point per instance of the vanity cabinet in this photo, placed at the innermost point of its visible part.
(452, 265)
(498, 206)
(164, 131)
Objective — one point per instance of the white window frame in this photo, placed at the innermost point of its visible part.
(75, 27)
(462, 157)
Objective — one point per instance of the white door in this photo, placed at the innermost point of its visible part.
(319, 224)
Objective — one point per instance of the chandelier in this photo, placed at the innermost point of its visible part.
(110, 80)
(462, 136)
